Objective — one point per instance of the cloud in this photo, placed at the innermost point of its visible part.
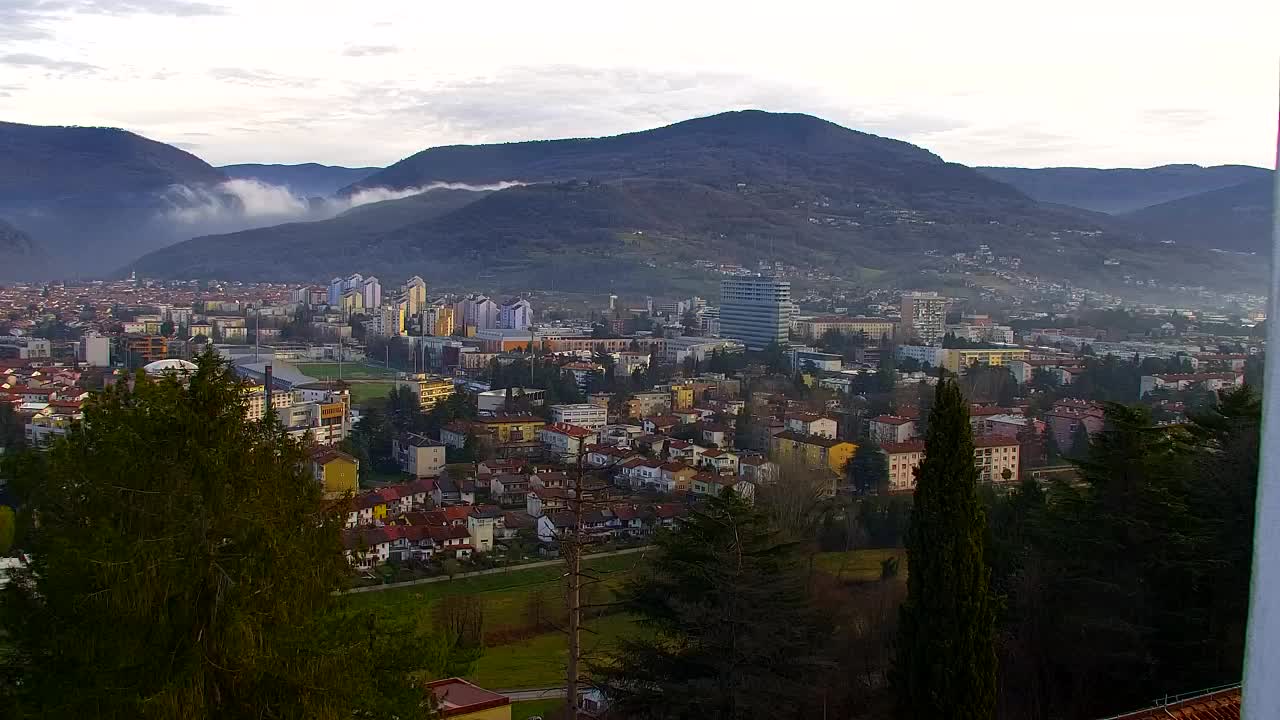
(33, 19)
(244, 203)
(370, 50)
(1177, 117)
(255, 78)
(51, 65)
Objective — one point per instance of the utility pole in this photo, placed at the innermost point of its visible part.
(583, 492)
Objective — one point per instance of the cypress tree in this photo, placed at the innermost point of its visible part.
(946, 662)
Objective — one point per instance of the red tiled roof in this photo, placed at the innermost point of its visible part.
(993, 441)
(1220, 705)
(910, 446)
(573, 431)
(891, 420)
(818, 440)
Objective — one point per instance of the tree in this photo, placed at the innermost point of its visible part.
(946, 663)
(744, 429)
(734, 633)
(868, 470)
(1080, 442)
(184, 567)
(8, 529)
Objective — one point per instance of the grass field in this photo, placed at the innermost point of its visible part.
(549, 708)
(856, 565)
(540, 661)
(505, 595)
(367, 391)
(350, 371)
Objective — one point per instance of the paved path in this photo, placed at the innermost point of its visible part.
(534, 694)
(491, 571)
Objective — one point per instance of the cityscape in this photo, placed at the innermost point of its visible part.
(405, 361)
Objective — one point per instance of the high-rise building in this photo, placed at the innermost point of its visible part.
(924, 317)
(755, 310)
(97, 350)
(371, 288)
(415, 293)
(335, 291)
(515, 314)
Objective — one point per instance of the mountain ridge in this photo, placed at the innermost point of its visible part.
(303, 179)
(1121, 190)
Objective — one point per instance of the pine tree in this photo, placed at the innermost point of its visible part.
(946, 662)
(183, 567)
(734, 634)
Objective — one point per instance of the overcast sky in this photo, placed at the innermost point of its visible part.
(1116, 83)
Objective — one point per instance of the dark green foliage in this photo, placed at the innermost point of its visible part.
(946, 661)
(183, 567)
(868, 470)
(1136, 583)
(734, 634)
(8, 529)
(744, 433)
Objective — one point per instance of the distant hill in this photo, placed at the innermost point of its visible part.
(1120, 190)
(20, 256)
(1236, 218)
(93, 195)
(636, 210)
(306, 180)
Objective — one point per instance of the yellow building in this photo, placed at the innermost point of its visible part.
(337, 472)
(458, 699)
(256, 401)
(431, 389)
(872, 328)
(509, 429)
(956, 359)
(681, 397)
(814, 451)
(441, 320)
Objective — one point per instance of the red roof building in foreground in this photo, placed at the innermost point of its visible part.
(1214, 705)
(456, 697)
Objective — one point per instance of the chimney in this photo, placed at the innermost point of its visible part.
(267, 398)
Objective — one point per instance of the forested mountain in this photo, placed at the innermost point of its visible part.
(1236, 218)
(740, 186)
(1119, 190)
(305, 180)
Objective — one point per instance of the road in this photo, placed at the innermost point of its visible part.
(491, 571)
(534, 694)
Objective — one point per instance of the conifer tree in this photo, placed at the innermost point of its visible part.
(183, 567)
(735, 635)
(946, 662)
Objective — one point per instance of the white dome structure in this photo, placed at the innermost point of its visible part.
(162, 367)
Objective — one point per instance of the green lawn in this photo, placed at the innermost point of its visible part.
(545, 709)
(364, 392)
(505, 595)
(857, 565)
(540, 661)
(350, 371)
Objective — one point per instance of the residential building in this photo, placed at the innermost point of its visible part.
(371, 290)
(583, 373)
(1064, 420)
(438, 320)
(510, 434)
(457, 699)
(755, 310)
(647, 404)
(675, 349)
(415, 295)
(874, 330)
(336, 472)
(810, 360)
(430, 389)
(143, 349)
(22, 347)
(719, 461)
(957, 359)
(813, 451)
(924, 316)
(418, 455)
(495, 401)
(585, 415)
(811, 424)
(477, 311)
(681, 396)
(1185, 381)
(255, 402)
(757, 469)
(923, 354)
(97, 350)
(997, 460)
(566, 442)
(890, 429)
(515, 314)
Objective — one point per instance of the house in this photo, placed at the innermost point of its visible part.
(716, 435)
(890, 429)
(481, 526)
(994, 456)
(549, 479)
(509, 489)
(418, 455)
(681, 451)
(457, 699)
(720, 461)
(812, 451)
(1064, 420)
(540, 501)
(811, 424)
(676, 475)
(337, 472)
(512, 523)
(454, 434)
(561, 440)
(712, 484)
(757, 469)
(448, 490)
(646, 474)
(1214, 382)
(660, 424)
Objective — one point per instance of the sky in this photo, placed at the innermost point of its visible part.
(1122, 83)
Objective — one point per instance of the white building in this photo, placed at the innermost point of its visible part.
(371, 289)
(477, 311)
(97, 350)
(924, 317)
(586, 415)
(515, 314)
(755, 310)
